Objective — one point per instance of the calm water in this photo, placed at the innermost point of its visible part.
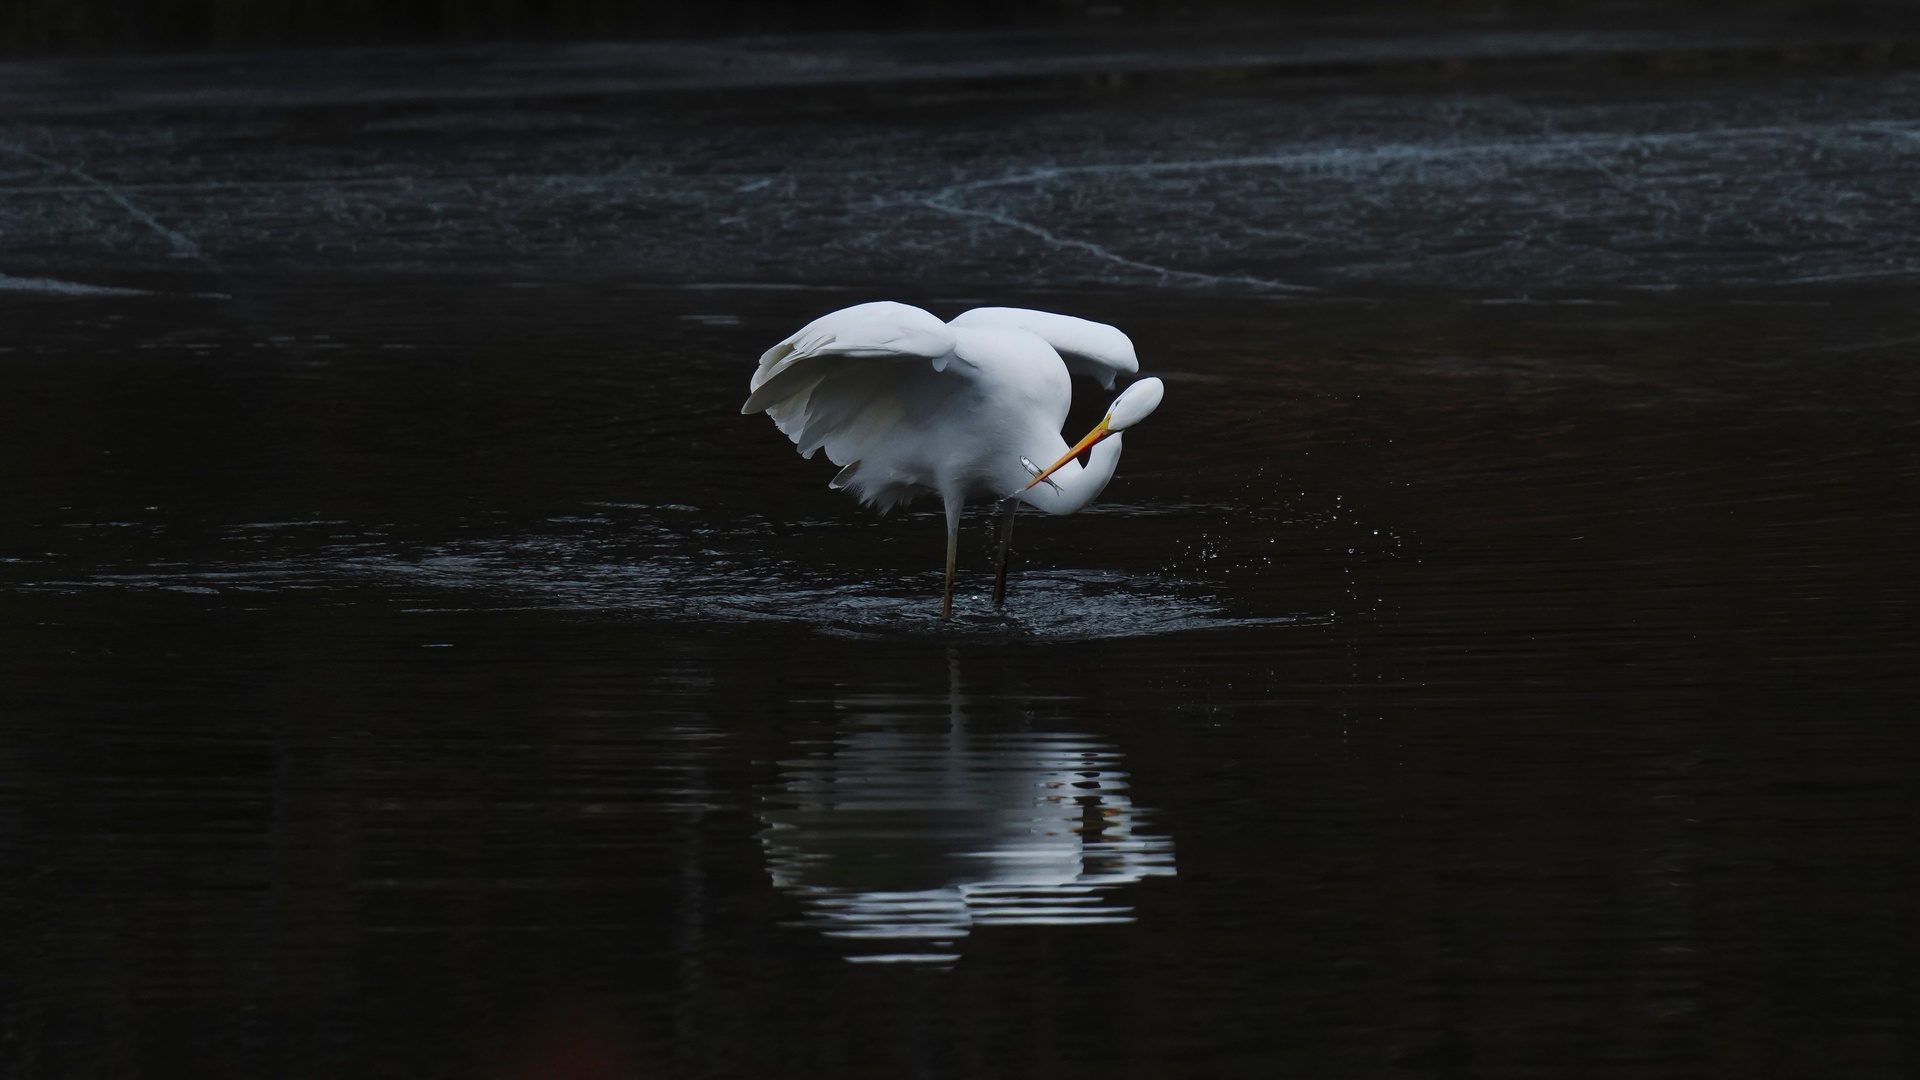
(416, 680)
(1496, 658)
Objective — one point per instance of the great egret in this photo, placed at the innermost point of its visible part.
(907, 404)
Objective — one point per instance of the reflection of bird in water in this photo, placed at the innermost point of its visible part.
(909, 832)
(907, 404)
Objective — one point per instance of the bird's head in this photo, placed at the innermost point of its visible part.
(1134, 404)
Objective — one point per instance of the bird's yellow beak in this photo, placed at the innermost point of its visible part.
(1099, 432)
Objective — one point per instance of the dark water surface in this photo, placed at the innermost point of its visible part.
(1497, 657)
(402, 679)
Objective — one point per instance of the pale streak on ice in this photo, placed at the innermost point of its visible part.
(1590, 149)
(182, 246)
(53, 287)
(1057, 241)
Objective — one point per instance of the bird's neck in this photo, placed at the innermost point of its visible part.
(1078, 486)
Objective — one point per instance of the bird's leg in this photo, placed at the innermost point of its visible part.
(1012, 507)
(953, 550)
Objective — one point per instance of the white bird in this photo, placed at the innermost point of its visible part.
(907, 405)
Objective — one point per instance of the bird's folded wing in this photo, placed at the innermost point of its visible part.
(1089, 348)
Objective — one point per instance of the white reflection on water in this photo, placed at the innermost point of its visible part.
(906, 833)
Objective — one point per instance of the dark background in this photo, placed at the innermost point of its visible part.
(52, 26)
(406, 648)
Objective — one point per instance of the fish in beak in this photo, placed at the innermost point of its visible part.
(1100, 431)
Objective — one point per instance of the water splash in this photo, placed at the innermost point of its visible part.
(656, 568)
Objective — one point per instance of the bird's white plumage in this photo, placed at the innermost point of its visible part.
(907, 404)
(882, 329)
(1135, 404)
(1093, 349)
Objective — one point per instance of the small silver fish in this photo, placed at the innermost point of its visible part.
(1035, 470)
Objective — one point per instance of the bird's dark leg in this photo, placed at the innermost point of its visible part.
(953, 550)
(1011, 507)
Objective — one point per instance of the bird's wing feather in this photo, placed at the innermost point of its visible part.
(847, 383)
(880, 330)
(1093, 349)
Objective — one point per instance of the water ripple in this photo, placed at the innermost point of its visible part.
(652, 570)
